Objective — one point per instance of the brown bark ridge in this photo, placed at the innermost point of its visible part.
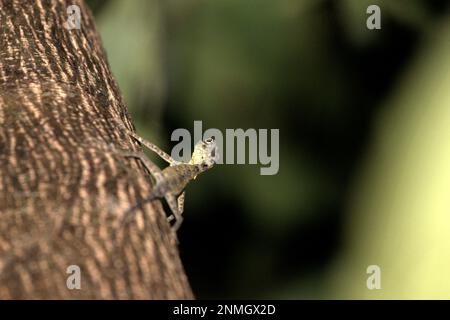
(63, 187)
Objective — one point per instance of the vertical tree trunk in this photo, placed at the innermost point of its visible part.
(63, 188)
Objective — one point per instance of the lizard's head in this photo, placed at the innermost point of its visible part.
(205, 153)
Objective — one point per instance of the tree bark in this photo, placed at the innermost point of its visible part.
(63, 187)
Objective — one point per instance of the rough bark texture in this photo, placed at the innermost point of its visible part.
(63, 188)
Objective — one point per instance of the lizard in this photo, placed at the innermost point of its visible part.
(172, 180)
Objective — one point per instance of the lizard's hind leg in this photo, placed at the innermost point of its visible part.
(154, 170)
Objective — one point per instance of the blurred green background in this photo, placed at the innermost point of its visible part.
(364, 119)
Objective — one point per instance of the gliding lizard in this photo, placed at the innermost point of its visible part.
(171, 181)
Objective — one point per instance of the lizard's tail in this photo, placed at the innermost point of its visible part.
(129, 214)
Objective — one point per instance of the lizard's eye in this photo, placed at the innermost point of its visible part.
(209, 140)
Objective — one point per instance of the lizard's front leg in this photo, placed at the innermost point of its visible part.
(180, 202)
(151, 167)
(173, 205)
(150, 145)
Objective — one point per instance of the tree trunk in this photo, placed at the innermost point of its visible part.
(63, 187)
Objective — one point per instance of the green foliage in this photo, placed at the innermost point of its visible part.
(309, 68)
